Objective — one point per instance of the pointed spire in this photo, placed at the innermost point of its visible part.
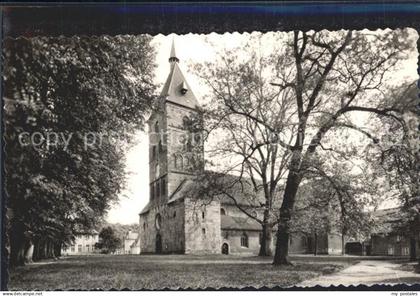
(172, 57)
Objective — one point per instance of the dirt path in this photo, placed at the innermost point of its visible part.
(367, 272)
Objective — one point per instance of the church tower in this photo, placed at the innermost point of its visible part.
(174, 219)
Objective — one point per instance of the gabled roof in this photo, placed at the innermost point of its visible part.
(243, 192)
(146, 208)
(176, 88)
(387, 220)
(239, 223)
(173, 87)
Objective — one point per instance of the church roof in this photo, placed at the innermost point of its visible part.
(176, 88)
(387, 220)
(239, 223)
(146, 208)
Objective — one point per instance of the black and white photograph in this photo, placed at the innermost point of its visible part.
(262, 159)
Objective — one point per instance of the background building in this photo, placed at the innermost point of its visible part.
(84, 244)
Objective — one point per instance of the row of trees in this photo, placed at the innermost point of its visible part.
(290, 117)
(71, 106)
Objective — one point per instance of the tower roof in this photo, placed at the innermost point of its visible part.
(176, 88)
(172, 56)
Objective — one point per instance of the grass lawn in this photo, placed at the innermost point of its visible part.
(168, 271)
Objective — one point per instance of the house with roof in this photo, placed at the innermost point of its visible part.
(131, 243)
(83, 244)
(389, 238)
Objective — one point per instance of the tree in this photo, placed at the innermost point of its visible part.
(71, 107)
(397, 158)
(254, 162)
(108, 241)
(324, 78)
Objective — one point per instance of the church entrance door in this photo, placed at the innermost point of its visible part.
(158, 244)
(225, 249)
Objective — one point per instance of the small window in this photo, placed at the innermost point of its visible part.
(188, 144)
(405, 251)
(244, 240)
(203, 215)
(179, 162)
(157, 171)
(175, 161)
(79, 248)
(174, 214)
(144, 226)
(157, 189)
(156, 127)
(72, 249)
(163, 181)
(203, 230)
(222, 211)
(152, 191)
(398, 238)
(185, 121)
(154, 153)
(87, 248)
(160, 146)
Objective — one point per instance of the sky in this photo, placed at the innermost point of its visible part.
(190, 49)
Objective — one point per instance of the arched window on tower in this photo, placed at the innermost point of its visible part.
(157, 190)
(185, 121)
(160, 146)
(222, 211)
(152, 191)
(157, 171)
(154, 153)
(179, 162)
(188, 143)
(244, 240)
(163, 186)
(175, 160)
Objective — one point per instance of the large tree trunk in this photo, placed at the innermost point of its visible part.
(316, 244)
(343, 246)
(283, 231)
(17, 244)
(57, 250)
(282, 244)
(265, 247)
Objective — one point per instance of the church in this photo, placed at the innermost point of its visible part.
(172, 221)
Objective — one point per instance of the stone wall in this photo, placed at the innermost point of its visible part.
(298, 244)
(171, 230)
(334, 244)
(391, 245)
(202, 227)
(233, 239)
